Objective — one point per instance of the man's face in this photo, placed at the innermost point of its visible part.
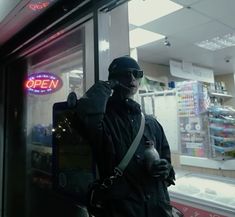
(130, 79)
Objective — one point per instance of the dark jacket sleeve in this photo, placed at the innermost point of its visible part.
(91, 108)
(166, 154)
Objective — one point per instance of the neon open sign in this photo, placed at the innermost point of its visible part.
(43, 83)
(38, 6)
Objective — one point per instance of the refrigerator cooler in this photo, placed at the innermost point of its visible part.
(198, 195)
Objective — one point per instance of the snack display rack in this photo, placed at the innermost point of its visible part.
(41, 155)
(192, 105)
(222, 131)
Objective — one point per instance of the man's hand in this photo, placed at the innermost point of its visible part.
(160, 169)
(112, 83)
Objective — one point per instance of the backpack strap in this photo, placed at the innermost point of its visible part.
(118, 170)
(126, 159)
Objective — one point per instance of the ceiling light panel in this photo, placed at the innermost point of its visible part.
(141, 12)
(139, 37)
(218, 43)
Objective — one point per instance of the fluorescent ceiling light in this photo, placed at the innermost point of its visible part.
(76, 73)
(141, 12)
(218, 43)
(103, 45)
(139, 37)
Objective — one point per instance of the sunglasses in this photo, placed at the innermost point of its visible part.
(127, 72)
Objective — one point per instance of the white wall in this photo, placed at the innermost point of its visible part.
(113, 30)
(159, 72)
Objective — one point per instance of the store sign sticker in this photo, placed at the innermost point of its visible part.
(42, 83)
(189, 71)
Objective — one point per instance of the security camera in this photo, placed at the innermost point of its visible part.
(166, 42)
(227, 59)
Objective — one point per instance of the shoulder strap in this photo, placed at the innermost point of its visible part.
(126, 159)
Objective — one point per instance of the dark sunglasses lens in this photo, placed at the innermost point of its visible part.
(137, 73)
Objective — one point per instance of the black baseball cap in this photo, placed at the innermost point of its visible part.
(122, 65)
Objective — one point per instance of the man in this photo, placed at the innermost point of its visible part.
(110, 120)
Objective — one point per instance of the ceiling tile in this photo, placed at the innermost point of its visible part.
(203, 32)
(176, 22)
(186, 2)
(7, 7)
(227, 20)
(159, 46)
(215, 8)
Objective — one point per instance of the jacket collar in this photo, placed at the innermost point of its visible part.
(124, 105)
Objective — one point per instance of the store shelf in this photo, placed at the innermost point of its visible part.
(223, 139)
(41, 171)
(41, 148)
(42, 181)
(222, 111)
(159, 93)
(222, 120)
(221, 123)
(223, 149)
(222, 129)
(193, 131)
(220, 95)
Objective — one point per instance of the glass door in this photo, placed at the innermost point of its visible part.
(2, 79)
(63, 66)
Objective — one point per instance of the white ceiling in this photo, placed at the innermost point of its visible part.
(199, 20)
(6, 7)
(16, 14)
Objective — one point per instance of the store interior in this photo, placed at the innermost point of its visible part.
(189, 85)
(187, 54)
(193, 42)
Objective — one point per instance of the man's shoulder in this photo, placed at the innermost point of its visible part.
(150, 119)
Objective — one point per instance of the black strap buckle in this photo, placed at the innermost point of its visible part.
(107, 183)
(118, 172)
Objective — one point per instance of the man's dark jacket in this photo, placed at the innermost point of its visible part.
(111, 125)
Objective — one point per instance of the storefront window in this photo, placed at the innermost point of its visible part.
(193, 105)
(63, 66)
(198, 123)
